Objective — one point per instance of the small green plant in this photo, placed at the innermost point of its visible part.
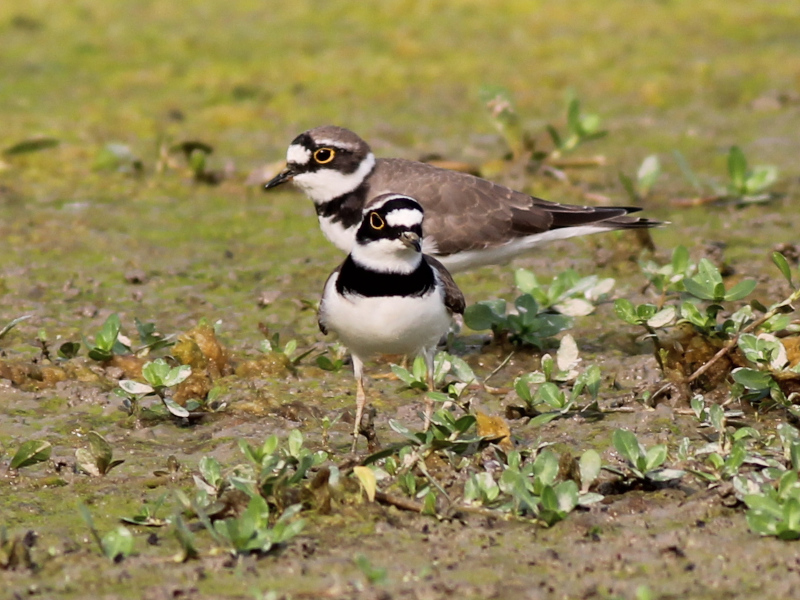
(642, 464)
(184, 536)
(443, 365)
(526, 326)
(506, 120)
(30, 453)
(148, 514)
(744, 186)
(375, 575)
(68, 350)
(750, 184)
(277, 467)
(668, 278)
(273, 344)
(106, 341)
(532, 488)
(116, 545)
(98, 459)
(337, 353)
(776, 510)
(481, 489)
(568, 293)
(251, 532)
(639, 188)
(160, 376)
(549, 401)
(581, 128)
(150, 340)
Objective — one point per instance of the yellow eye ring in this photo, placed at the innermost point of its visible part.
(376, 221)
(324, 155)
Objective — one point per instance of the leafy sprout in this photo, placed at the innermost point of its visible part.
(160, 376)
(642, 464)
(106, 342)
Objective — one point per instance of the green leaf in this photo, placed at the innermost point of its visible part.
(624, 309)
(680, 259)
(210, 469)
(68, 350)
(523, 391)
(663, 317)
(655, 457)
(419, 369)
(783, 266)
(155, 372)
(177, 375)
(716, 414)
(648, 173)
(375, 575)
(740, 290)
(665, 474)
(484, 315)
(692, 314)
(761, 523)
(461, 370)
(760, 179)
(101, 452)
(550, 394)
(185, 540)
(764, 504)
(31, 145)
(737, 169)
(175, 408)
(567, 494)
(135, 388)
(589, 466)
(544, 418)
(545, 467)
(574, 115)
(403, 375)
(630, 189)
(108, 333)
(118, 543)
(549, 498)
(525, 280)
(295, 442)
(31, 453)
(699, 290)
(752, 379)
(627, 445)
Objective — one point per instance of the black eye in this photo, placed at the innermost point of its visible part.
(376, 221)
(324, 155)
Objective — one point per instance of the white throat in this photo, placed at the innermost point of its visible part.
(386, 256)
(324, 185)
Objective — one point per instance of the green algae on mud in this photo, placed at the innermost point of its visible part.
(246, 77)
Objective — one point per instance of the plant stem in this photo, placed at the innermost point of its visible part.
(733, 341)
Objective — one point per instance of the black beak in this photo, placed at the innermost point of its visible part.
(282, 177)
(411, 240)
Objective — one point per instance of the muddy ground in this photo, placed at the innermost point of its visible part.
(88, 230)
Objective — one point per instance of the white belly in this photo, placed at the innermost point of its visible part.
(385, 325)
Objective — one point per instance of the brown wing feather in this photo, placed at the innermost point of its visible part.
(453, 298)
(464, 212)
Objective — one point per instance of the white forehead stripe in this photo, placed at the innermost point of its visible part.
(404, 217)
(336, 144)
(298, 155)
